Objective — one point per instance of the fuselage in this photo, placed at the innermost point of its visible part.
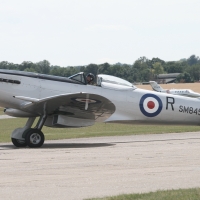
(132, 105)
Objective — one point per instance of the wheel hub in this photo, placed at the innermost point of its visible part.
(35, 138)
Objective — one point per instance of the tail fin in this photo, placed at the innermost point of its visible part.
(155, 86)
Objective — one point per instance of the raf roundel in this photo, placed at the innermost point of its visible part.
(150, 105)
(84, 100)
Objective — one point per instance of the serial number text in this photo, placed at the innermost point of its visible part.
(189, 110)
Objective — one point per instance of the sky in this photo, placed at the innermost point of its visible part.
(80, 32)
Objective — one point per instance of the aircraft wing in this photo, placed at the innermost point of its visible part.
(77, 105)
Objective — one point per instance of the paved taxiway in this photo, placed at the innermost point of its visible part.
(97, 167)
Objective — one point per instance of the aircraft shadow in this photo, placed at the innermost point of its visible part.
(61, 145)
(75, 145)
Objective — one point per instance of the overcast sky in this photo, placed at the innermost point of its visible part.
(80, 32)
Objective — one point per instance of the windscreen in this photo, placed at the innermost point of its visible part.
(80, 77)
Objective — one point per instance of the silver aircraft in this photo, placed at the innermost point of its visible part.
(71, 102)
(182, 92)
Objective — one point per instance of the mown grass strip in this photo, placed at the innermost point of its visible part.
(181, 194)
(98, 130)
(2, 111)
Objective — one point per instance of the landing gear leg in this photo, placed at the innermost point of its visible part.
(33, 136)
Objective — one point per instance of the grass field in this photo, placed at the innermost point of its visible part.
(182, 194)
(1, 111)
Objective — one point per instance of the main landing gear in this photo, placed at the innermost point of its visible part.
(27, 136)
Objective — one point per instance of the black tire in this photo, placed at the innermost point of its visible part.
(34, 138)
(19, 143)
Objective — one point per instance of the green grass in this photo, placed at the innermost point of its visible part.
(2, 111)
(99, 129)
(181, 194)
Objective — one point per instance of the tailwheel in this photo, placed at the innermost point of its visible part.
(19, 143)
(34, 137)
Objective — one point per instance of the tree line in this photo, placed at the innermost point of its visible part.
(142, 70)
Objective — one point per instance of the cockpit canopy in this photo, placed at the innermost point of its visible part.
(113, 82)
(80, 78)
(105, 81)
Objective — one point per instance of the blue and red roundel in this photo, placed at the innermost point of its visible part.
(150, 105)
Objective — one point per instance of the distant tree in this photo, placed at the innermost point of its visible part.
(30, 70)
(143, 59)
(194, 71)
(4, 65)
(158, 69)
(135, 75)
(82, 68)
(142, 69)
(55, 70)
(69, 71)
(145, 75)
(26, 65)
(183, 60)
(173, 67)
(192, 60)
(43, 67)
(157, 60)
(104, 68)
(184, 78)
(7, 65)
